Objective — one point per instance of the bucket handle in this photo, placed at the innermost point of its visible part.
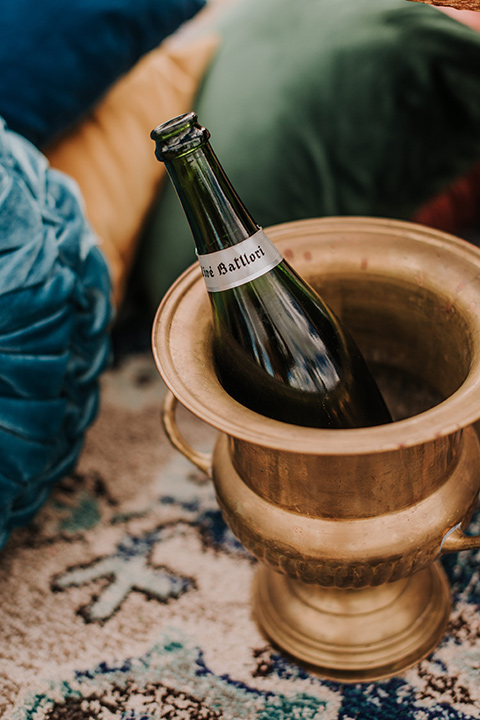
(201, 460)
(456, 540)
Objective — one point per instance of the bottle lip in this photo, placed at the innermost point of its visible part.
(179, 136)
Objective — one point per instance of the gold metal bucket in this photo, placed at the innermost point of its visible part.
(348, 525)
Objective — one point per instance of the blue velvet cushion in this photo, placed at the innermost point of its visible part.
(57, 57)
(55, 312)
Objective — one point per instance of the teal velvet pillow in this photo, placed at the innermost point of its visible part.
(352, 107)
(55, 316)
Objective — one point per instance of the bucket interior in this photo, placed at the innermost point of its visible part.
(417, 343)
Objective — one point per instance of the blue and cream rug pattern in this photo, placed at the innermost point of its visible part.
(128, 598)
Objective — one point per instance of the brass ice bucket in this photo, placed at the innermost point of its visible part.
(348, 525)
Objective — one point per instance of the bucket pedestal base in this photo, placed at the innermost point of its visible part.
(354, 635)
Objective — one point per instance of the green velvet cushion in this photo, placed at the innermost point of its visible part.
(321, 107)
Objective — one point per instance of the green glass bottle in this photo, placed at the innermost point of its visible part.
(278, 348)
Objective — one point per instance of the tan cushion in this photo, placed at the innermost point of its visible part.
(110, 153)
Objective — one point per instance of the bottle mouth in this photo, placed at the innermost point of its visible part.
(178, 136)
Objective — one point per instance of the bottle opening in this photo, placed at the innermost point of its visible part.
(178, 136)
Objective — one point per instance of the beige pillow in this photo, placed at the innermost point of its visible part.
(110, 153)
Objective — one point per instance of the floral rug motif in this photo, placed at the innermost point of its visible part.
(129, 598)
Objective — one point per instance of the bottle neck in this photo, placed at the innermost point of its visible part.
(216, 215)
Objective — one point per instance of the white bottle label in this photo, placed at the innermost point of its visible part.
(239, 264)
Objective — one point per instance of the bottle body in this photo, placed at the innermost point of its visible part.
(278, 348)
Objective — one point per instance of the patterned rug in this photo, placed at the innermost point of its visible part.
(129, 598)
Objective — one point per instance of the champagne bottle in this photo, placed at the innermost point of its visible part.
(278, 348)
